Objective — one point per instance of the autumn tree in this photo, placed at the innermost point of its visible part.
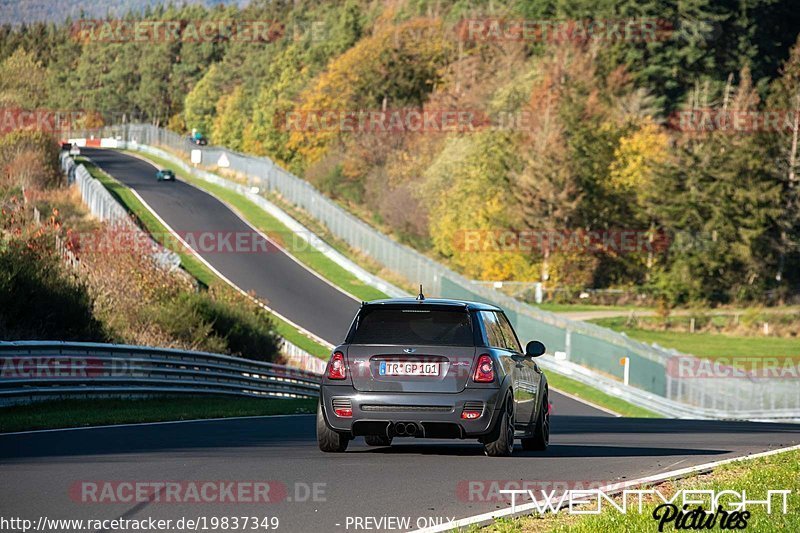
(784, 145)
(22, 78)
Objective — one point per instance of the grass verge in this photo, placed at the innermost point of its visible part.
(708, 345)
(275, 229)
(85, 413)
(189, 262)
(582, 308)
(596, 396)
(753, 476)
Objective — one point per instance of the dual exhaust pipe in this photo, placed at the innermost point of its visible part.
(408, 429)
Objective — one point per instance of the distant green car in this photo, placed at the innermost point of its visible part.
(164, 175)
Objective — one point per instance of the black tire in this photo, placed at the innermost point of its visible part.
(329, 440)
(378, 440)
(541, 430)
(503, 446)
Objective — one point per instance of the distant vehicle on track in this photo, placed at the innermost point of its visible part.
(197, 138)
(165, 175)
(433, 368)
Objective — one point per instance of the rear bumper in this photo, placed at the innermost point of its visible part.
(436, 415)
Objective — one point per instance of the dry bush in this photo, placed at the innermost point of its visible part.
(28, 168)
(127, 287)
(28, 159)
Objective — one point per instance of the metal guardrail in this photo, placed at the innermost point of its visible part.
(105, 207)
(35, 370)
(672, 408)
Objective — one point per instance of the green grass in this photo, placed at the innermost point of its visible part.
(580, 308)
(596, 396)
(753, 476)
(189, 262)
(271, 226)
(96, 412)
(709, 345)
(290, 333)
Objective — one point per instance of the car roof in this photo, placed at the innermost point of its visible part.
(444, 302)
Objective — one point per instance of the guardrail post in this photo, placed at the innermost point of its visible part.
(668, 378)
(626, 370)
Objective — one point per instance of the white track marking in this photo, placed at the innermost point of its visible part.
(587, 402)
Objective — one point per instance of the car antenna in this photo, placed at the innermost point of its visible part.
(420, 296)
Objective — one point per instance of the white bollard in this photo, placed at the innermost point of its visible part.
(626, 369)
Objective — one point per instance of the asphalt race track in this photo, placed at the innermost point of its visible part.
(291, 290)
(411, 479)
(46, 473)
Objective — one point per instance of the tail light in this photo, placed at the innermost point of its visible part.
(336, 369)
(472, 410)
(484, 371)
(343, 408)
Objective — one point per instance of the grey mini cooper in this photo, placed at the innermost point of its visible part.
(433, 369)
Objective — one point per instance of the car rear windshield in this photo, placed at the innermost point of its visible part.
(410, 326)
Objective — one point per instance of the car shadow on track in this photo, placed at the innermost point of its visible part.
(555, 450)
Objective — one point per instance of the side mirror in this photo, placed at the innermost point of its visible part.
(534, 349)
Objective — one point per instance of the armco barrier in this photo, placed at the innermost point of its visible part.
(105, 207)
(35, 370)
(597, 350)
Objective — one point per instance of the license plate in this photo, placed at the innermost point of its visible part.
(408, 368)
